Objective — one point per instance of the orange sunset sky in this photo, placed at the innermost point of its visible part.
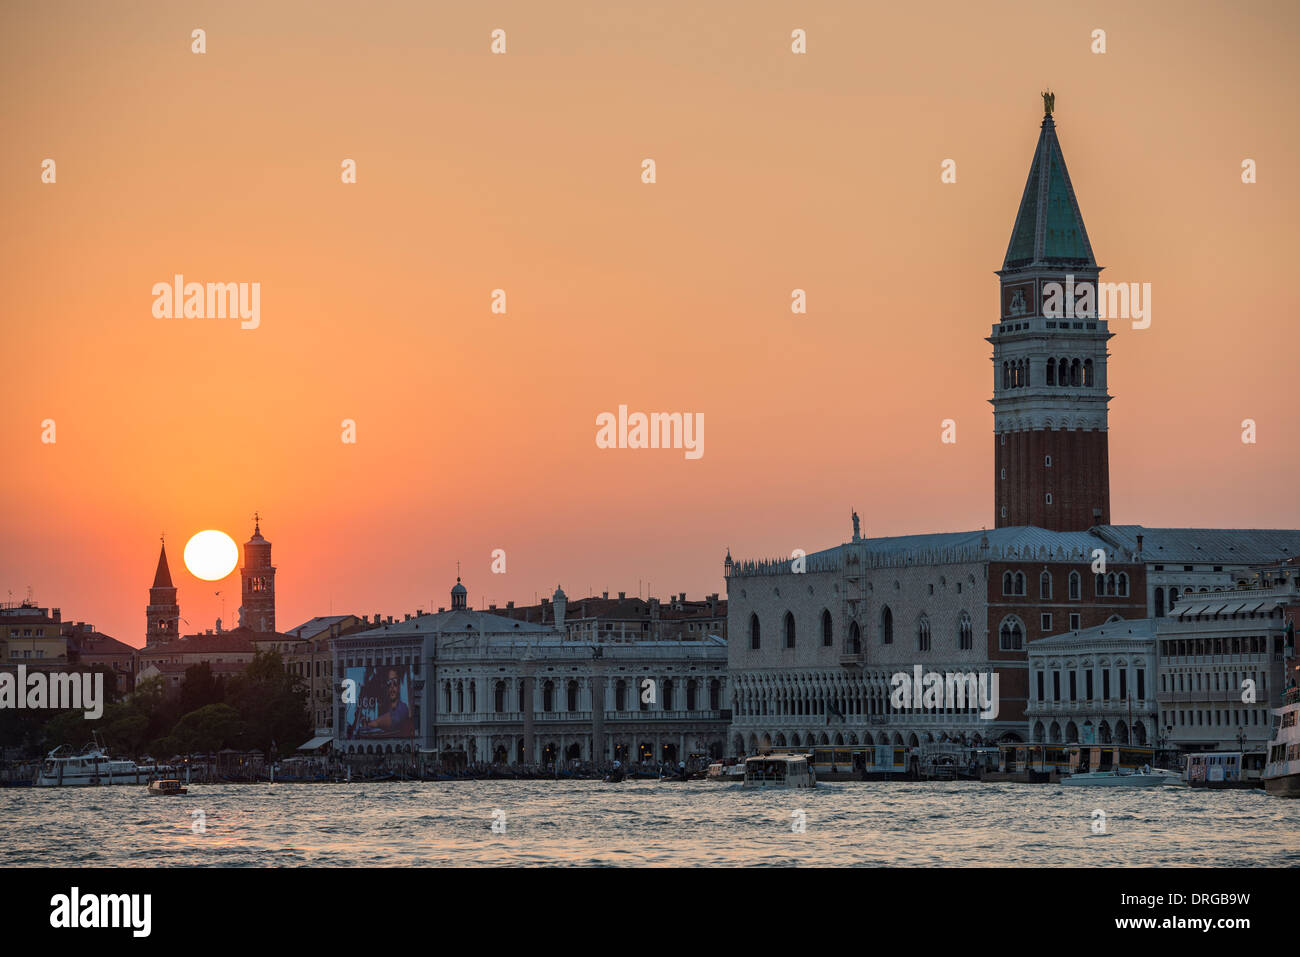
(522, 172)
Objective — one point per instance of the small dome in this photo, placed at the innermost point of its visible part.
(559, 594)
(458, 588)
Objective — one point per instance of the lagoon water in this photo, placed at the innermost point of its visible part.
(646, 823)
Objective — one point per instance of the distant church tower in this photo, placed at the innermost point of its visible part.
(1051, 461)
(257, 578)
(162, 616)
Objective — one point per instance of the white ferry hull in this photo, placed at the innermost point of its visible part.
(1287, 786)
(84, 780)
(1115, 780)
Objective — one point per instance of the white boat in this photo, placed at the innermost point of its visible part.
(1282, 772)
(779, 771)
(720, 773)
(1141, 778)
(89, 768)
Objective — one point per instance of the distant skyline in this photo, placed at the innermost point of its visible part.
(476, 431)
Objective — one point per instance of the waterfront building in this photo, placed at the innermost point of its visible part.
(1220, 658)
(1094, 686)
(814, 651)
(472, 686)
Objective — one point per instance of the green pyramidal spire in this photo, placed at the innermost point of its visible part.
(1049, 227)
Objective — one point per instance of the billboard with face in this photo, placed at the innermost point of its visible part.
(383, 705)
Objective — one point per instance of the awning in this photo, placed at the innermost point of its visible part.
(1233, 607)
(315, 743)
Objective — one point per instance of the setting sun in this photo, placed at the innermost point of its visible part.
(211, 555)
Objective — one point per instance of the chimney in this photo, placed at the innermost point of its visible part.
(621, 595)
(1139, 543)
(604, 594)
(390, 620)
(376, 618)
(58, 614)
(408, 617)
(510, 606)
(492, 607)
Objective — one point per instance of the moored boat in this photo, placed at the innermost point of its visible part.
(89, 767)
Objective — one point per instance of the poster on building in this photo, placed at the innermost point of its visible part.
(382, 708)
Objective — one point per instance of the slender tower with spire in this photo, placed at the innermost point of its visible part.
(162, 616)
(257, 583)
(1051, 456)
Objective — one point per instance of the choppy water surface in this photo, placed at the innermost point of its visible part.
(645, 823)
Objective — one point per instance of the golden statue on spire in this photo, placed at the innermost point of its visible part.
(1049, 102)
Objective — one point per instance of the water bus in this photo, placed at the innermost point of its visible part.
(1282, 772)
(779, 771)
(863, 762)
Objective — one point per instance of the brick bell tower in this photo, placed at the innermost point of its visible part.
(1051, 462)
(257, 581)
(162, 616)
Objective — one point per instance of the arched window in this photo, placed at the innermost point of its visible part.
(1051, 372)
(499, 697)
(1045, 584)
(1160, 603)
(886, 626)
(789, 630)
(620, 695)
(548, 696)
(1063, 371)
(1020, 583)
(923, 634)
(1076, 586)
(1074, 372)
(855, 639)
(828, 629)
(573, 696)
(1111, 588)
(1011, 636)
(753, 632)
(1008, 583)
(1123, 585)
(964, 640)
(1101, 584)
(1087, 373)
(1006, 375)
(1173, 598)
